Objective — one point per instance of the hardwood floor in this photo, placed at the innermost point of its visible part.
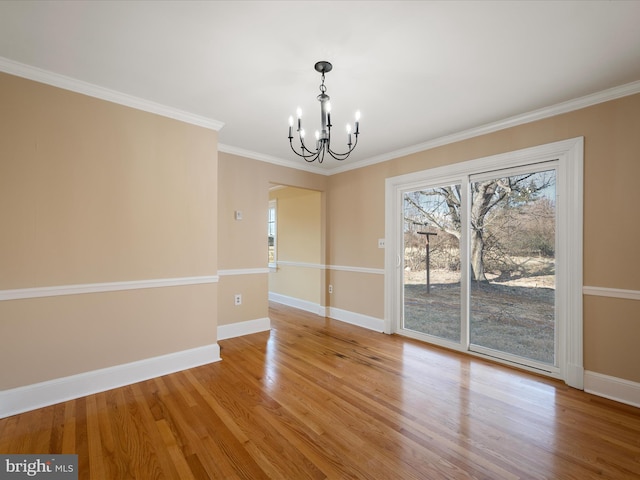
(317, 398)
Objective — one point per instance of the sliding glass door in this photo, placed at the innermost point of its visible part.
(432, 286)
(485, 256)
(478, 266)
(512, 246)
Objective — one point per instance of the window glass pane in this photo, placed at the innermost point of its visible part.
(512, 260)
(271, 232)
(432, 295)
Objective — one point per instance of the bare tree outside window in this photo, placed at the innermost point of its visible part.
(512, 235)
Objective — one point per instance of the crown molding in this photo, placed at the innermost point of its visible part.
(270, 159)
(539, 114)
(78, 86)
(542, 113)
(43, 76)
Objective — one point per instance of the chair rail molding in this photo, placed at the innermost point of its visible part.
(54, 291)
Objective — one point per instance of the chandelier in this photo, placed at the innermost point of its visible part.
(323, 136)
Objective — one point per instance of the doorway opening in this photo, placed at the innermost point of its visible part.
(295, 247)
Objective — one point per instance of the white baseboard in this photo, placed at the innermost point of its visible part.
(365, 321)
(346, 316)
(298, 303)
(613, 388)
(30, 397)
(243, 328)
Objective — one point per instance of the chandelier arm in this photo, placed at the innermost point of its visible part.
(309, 158)
(316, 157)
(336, 155)
(303, 147)
(345, 155)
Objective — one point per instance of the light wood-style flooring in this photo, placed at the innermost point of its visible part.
(316, 398)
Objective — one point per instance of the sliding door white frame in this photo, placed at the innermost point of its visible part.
(569, 154)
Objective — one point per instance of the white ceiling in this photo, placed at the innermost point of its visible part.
(417, 70)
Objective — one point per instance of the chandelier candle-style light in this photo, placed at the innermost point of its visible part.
(323, 137)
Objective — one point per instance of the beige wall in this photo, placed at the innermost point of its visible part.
(299, 224)
(611, 231)
(244, 185)
(361, 293)
(94, 192)
(255, 302)
(611, 333)
(54, 337)
(298, 282)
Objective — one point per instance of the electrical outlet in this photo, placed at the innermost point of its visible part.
(381, 243)
(238, 299)
(330, 288)
(238, 214)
